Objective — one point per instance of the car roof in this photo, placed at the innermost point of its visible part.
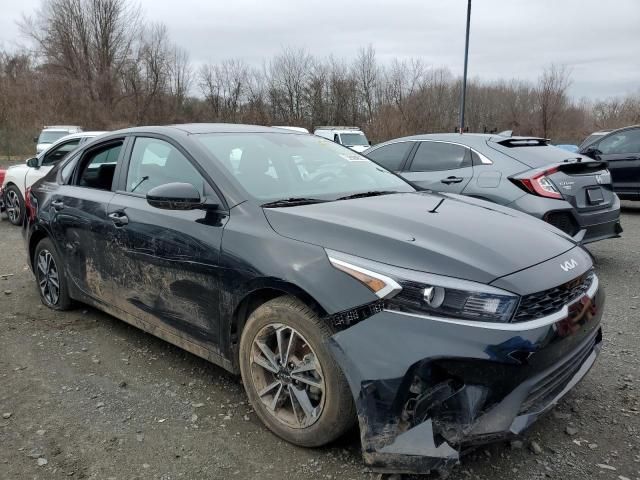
(60, 127)
(470, 139)
(199, 128)
(71, 136)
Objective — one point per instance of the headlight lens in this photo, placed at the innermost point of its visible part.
(428, 294)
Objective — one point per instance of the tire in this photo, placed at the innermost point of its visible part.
(332, 407)
(46, 259)
(14, 205)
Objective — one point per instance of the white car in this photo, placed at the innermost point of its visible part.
(351, 137)
(20, 177)
(52, 133)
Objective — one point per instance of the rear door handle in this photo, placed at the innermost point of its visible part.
(119, 218)
(57, 204)
(450, 180)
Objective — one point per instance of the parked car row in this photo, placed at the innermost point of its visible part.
(20, 177)
(569, 191)
(340, 291)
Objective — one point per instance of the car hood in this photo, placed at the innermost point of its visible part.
(359, 148)
(442, 234)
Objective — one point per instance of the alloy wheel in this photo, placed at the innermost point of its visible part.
(287, 376)
(13, 206)
(48, 278)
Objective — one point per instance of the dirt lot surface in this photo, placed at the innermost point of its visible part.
(83, 395)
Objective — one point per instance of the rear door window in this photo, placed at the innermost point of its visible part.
(98, 167)
(391, 156)
(435, 156)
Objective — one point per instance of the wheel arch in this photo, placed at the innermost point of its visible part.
(36, 236)
(256, 295)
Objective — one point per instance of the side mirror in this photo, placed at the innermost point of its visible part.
(33, 162)
(35, 139)
(592, 152)
(174, 196)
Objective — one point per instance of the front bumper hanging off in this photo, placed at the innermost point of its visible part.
(427, 389)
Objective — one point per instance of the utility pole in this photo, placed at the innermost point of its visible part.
(464, 76)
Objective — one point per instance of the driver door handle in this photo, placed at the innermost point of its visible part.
(57, 204)
(119, 219)
(450, 180)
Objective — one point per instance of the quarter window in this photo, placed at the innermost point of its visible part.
(433, 156)
(155, 162)
(99, 166)
(391, 156)
(53, 156)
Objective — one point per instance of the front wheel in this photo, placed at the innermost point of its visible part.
(14, 205)
(291, 378)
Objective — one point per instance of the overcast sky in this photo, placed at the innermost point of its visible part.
(599, 41)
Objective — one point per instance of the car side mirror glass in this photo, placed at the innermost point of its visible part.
(35, 139)
(174, 196)
(33, 162)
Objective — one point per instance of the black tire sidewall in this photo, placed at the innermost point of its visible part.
(338, 414)
(20, 218)
(64, 301)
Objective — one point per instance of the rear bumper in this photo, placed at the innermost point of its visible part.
(427, 390)
(585, 227)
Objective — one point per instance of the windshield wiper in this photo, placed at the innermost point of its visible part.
(373, 193)
(292, 202)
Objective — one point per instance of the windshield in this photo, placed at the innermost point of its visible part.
(273, 166)
(352, 139)
(51, 136)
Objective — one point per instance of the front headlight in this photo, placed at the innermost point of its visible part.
(428, 294)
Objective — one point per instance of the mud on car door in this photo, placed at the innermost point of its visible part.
(166, 275)
(80, 223)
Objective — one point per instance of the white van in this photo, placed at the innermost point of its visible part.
(351, 137)
(52, 133)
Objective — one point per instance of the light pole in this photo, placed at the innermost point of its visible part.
(464, 76)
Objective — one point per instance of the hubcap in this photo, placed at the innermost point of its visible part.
(287, 376)
(48, 278)
(13, 206)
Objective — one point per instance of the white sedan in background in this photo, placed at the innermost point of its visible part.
(20, 177)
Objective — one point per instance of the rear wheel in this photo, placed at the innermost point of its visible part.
(14, 204)
(291, 378)
(52, 283)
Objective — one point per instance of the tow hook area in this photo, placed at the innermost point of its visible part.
(419, 423)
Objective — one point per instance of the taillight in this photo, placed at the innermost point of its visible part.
(539, 184)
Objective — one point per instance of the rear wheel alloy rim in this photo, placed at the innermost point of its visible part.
(287, 376)
(48, 278)
(13, 206)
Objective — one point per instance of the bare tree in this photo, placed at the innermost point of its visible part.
(552, 97)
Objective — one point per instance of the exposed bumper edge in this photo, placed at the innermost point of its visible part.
(426, 390)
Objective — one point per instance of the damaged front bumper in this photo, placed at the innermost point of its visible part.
(426, 389)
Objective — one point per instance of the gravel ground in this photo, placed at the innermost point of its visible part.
(83, 395)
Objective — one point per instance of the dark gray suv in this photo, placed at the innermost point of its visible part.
(568, 190)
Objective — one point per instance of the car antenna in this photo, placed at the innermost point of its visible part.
(436, 207)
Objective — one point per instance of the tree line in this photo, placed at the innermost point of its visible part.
(99, 64)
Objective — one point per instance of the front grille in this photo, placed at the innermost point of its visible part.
(562, 221)
(541, 304)
(546, 389)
